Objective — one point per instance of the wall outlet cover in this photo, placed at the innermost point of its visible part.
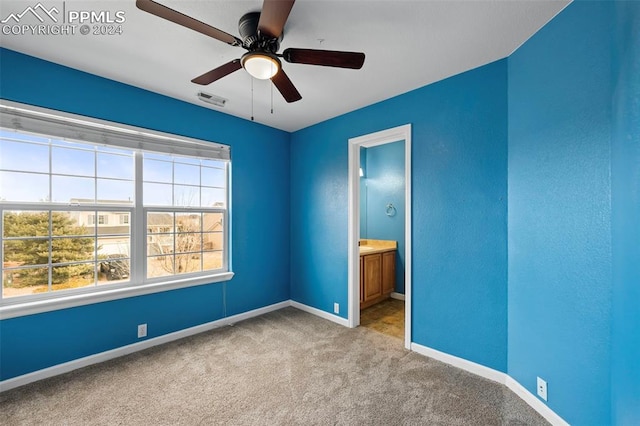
(542, 389)
(142, 330)
(336, 308)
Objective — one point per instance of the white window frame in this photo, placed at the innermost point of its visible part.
(83, 129)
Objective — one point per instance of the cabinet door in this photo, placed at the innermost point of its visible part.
(372, 276)
(388, 272)
(361, 279)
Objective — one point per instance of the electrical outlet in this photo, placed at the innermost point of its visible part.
(336, 308)
(542, 389)
(142, 331)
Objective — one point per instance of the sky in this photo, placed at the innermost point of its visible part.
(35, 169)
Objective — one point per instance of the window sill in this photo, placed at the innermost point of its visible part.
(71, 301)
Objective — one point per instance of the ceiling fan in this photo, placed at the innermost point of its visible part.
(261, 34)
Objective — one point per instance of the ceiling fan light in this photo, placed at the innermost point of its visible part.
(261, 65)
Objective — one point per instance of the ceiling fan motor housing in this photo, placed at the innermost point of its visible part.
(248, 29)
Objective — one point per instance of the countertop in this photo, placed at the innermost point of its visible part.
(376, 246)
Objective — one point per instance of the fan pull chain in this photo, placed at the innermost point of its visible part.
(251, 98)
(271, 98)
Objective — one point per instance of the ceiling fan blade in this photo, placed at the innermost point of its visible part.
(273, 17)
(327, 58)
(218, 73)
(286, 87)
(186, 21)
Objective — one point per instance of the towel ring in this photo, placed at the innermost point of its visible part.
(391, 210)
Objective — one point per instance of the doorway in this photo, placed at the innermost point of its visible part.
(396, 134)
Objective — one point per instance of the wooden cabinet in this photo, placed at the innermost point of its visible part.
(377, 277)
(372, 276)
(388, 272)
(361, 279)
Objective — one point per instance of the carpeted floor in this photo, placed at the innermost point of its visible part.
(283, 368)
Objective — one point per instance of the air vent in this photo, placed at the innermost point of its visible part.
(212, 99)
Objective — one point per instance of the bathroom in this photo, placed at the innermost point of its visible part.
(382, 230)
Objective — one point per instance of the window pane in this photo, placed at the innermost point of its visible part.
(117, 246)
(213, 197)
(69, 144)
(22, 136)
(159, 266)
(186, 243)
(113, 223)
(187, 160)
(186, 174)
(213, 177)
(115, 191)
(25, 223)
(212, 260)
(72, 249)
(20, 282)
(158, 194)
(72, 162)
(188, 222)
(186, 196)
(187, 263)
(25, 252)
(213, 241)
(214, 163)
(72, 276)
(25, 157)
(115, 166)
(160, 244)
(157, 171)
(67, 189)
(72, 223)
(213, 222)
(159, 222)
(113, 268)
(84, 221)
(24, 187)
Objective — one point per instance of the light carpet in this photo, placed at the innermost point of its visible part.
(283, 368)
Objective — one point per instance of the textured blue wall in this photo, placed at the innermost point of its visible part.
(459, 150)
(560, 213)
(260, 175)
(625, 177)
(385, 184)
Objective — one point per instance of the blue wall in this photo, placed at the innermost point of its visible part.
(459, 150)
(384, 184)
(560, 120)
(625, 179)
(565, 107)
(260, 175)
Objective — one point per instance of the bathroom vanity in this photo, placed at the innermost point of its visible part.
(377, 271)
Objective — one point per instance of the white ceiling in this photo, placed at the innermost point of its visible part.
(408, 44)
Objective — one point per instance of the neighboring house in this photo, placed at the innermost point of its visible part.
(113, 228)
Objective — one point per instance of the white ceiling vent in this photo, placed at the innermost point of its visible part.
(212, 99)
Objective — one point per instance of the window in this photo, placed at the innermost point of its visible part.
(80, 215)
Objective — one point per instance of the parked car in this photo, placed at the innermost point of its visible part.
(115, 267)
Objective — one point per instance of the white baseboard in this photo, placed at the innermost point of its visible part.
(134, 347)
(320, 313)
(398, 296)
(496, 376)
(535, 403)
(471, 367)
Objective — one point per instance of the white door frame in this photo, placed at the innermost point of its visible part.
(395, 134)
